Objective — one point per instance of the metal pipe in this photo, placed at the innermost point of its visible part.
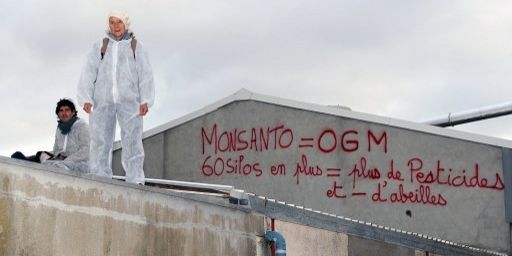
(187, 184)
(472, 115)
(278, 240)
(272, 245)
(236, 196)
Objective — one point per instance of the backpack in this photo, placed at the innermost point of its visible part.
(105, 44)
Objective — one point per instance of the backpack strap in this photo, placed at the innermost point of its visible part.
(104, 47)
(105, 44)
(134, 45)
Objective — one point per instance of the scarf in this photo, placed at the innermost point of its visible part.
(65, 127)
(127, 35)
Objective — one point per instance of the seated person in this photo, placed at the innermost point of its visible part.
(71, 148)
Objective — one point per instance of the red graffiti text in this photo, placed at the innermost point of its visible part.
(443, 177)
(255, 139)
(220, 166)
(349, 141)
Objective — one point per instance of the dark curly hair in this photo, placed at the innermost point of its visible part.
(67, 103)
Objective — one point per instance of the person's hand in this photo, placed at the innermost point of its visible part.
(58, 157)
(88, 107)
(143, 109)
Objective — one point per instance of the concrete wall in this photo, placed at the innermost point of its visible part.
(411, 180)
(44, 211)
(299, 240)
(304, 241)
(359, 246)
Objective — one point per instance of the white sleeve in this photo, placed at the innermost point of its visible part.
(89, 75)
(145, 73)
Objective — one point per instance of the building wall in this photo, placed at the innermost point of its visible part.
(359, 246)
(410, 180)
(305, 241)
(44, 211)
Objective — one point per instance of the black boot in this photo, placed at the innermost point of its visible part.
(19, 155)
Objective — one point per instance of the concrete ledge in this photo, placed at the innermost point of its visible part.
(47, 211)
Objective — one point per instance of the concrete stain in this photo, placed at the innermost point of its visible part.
(6, 181)
(5, 224)
(107, 240)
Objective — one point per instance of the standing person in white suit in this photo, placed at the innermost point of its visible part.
(117, 83)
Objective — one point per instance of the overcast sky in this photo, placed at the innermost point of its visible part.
(410, 60)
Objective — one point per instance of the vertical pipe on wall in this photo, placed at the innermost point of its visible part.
(277, 239)
(272, 245)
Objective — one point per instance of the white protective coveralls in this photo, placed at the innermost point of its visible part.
(74, 146)
(116, 86)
